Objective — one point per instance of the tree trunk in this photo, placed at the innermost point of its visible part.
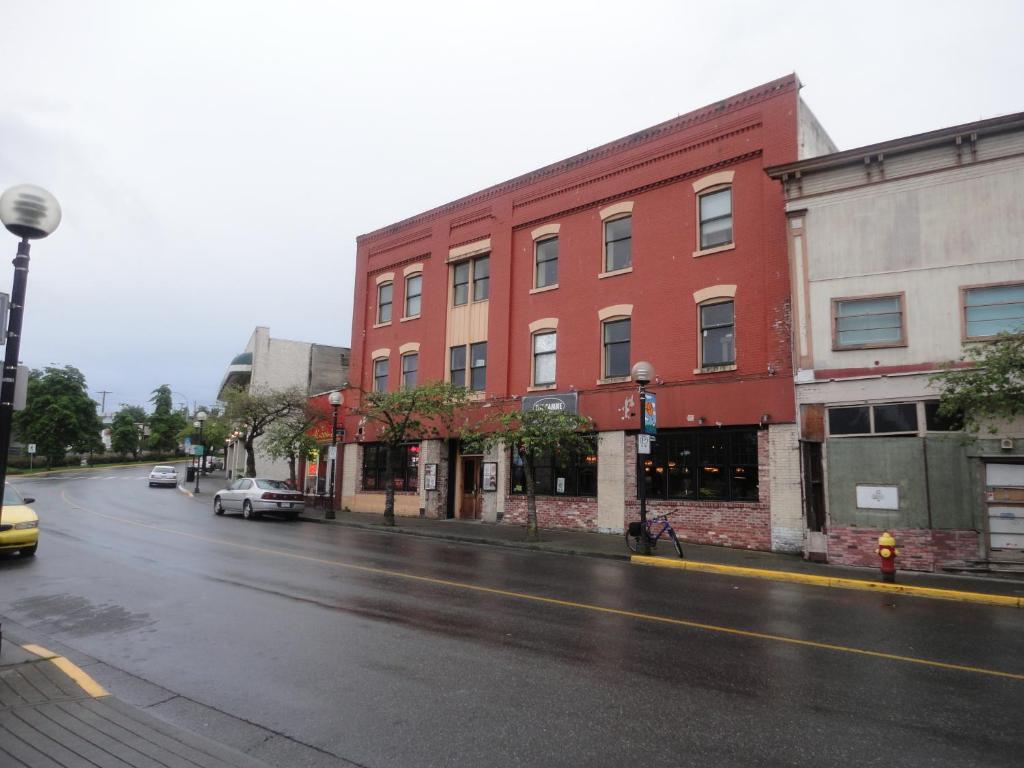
(389, 486)
(250, 459)
(291, 469)
(532, 532)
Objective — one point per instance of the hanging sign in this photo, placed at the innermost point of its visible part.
(650, 414)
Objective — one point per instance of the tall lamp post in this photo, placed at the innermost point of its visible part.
(31, 213)
(335, 399)
(642, 373)
(200, 419)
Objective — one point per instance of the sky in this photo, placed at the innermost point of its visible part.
(216, 160)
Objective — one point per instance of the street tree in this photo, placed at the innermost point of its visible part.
(124, 433)
(165, 423)
(288, 438)
(989, 388)
(253, 413)
(59, 414)
(409, 414)
(532, 436)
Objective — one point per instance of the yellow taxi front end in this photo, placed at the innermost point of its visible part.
(19, 525)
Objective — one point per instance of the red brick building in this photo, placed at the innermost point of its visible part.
(668, 245)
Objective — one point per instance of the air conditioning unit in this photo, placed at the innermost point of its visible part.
(1006, 444)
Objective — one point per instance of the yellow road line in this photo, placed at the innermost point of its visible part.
(564, 603)
(831, 581)
(76, 673)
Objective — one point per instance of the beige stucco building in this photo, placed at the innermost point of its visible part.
(900, 254)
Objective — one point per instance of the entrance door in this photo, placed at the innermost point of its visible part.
(471, 506)
(1005, 505)
(814, 486)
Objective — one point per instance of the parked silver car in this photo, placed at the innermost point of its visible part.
(257, 496)
(163, 474)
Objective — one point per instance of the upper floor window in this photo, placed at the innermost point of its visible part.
(891, 419)
(481, 278)
(410, 364)
(460, 283)
(616, 347)
(544, 348)
(547, 262)
(380, 375)
(413, 294)
(384, 296)
(618, 243)
(994, 309)
(717, 334)
(478, 366)
(715, 218)
(868, 322)
(457, 366)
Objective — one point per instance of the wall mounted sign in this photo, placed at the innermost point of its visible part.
(650, 414)
(878, 497)
(430, 477)
(564, 402)
(490, 476)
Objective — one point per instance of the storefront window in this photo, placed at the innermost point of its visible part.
(563, 474)
(703, 464)
(405, 466)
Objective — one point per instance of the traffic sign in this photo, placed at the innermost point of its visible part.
(31, 447)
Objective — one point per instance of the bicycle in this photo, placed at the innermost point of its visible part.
(633, 534)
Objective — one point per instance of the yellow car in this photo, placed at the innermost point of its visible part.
(19, 526)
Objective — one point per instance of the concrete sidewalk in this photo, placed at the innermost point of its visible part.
(54, 714)
(1007, 591)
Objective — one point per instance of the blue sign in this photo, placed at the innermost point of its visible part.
(650, 414)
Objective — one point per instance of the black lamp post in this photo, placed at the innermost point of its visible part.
(335, 399)
(31, 213)
(200, 419)
(642, 373)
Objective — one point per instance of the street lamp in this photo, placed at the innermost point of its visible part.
(31, 213)
(198, 423)
(335, 399)
(642, 373)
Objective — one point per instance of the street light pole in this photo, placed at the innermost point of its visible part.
(200, 419)
(30, 213)
(335, 400)
(642, 373)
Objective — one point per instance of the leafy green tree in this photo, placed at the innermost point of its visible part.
(288, 437)
(124, 433)
(990, 388)
(253, 413)
(165, 423)
(59, 414)
(407, 414)
(533, 435)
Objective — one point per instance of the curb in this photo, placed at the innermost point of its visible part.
(91, 468)
(554, 550)
(76, 673)
(1007, 601)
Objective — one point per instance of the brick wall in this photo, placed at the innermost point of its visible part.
(919, 549)
(575, 513)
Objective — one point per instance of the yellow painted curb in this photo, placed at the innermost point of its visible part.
(830, 581)
(73, 671)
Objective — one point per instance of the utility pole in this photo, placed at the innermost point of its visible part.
(103, 405)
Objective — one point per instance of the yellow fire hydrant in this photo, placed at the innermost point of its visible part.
(887, 555)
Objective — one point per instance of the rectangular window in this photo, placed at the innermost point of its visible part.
(849, 421)
(868, 323)
(481, 278)
(478, 366)
(936, 422)
(384, 292)
(410, 363)
(716, 218)
(618, 243)
(616, 348)
(458, 366)
(380, 375)
(881, 419)
(413, 294)
(993, 310)
(566, 474)
(547, 262)
(717, 334)
(404, 467)
(460, 283)
(703, 464)
(544, 348)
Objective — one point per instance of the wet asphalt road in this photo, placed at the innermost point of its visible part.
(347, 641)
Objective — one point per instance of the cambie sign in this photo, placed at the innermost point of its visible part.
(566, 403)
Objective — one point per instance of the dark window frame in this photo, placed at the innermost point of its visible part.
(578, 468)
(538, 245)
(460, 287)
(537, 355)
(629, 238)
(481, 285)
(702, 221)
(965, 322)
(418, 295)
(381, 304)
(377, 377)
(474, 368)
(837, 302)
(405, 472)
(452, 353)
(606, 346)
(684, 462)
(703, 329)
(415, 358)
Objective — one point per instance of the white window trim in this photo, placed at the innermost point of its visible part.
(405, 293)
(537, 328)
(713, 296)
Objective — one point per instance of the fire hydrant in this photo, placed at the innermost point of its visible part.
(887, 555)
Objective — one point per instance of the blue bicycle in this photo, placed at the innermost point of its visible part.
(655, 527)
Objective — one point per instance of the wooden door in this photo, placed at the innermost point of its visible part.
(470, 508)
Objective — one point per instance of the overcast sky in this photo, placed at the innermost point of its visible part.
(216, 160)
